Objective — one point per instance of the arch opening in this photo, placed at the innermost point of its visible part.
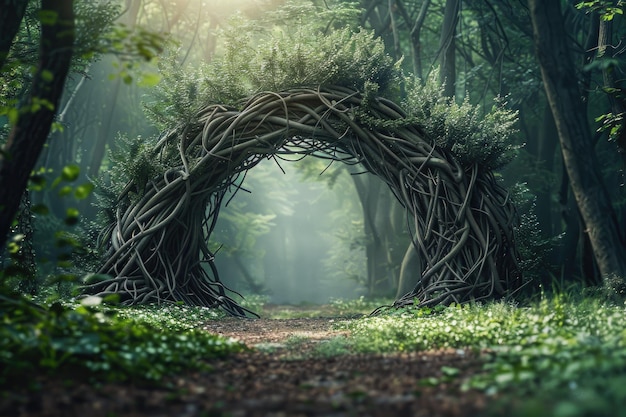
(295, 236)
(460, 219)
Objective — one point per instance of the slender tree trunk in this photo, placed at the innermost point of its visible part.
(11, 15)
(416, 32)
(36, 114)
(104, 132)
(561, 85)
(547, 142)
(447, 47)
(613, 86)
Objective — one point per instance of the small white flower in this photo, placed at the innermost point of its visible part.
(91, 301)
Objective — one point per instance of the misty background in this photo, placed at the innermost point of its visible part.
(293, 237)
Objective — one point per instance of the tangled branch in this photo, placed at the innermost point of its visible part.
(459, 217)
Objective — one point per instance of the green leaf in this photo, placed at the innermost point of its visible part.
(71, 216)
(57, 127)
(112, 299)
(13, 115)
(83, 191)
(47, 75)
(13, 248)
(66, 190)
(149, 79)
(70, 172)
(429, 382)
(37, 182)
(450, 371)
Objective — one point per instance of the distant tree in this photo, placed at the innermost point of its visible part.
(562, 89)
(447, 46)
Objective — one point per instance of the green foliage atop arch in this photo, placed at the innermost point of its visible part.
(278, 61)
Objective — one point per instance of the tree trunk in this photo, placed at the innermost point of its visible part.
(104, 135)
(614, 88)
(447, 47)
(547, 142)
(416, 41)
(11, 15)
(28, 136)
(561, 85)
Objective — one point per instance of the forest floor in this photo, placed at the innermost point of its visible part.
(296, 367)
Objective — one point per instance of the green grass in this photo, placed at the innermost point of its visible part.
(564, 357)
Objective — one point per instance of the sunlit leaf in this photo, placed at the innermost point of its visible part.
(149, 79)
(37, 182)
(57, 127)
(13, 115)
(13, 248)
(47, 75)
(66, 190)
(70, 172)
(71, 216)
(83, 191)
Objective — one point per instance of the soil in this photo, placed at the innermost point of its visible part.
(297, 367)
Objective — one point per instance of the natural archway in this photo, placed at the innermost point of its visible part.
(461, 220)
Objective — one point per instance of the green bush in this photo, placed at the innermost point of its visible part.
(471, 134)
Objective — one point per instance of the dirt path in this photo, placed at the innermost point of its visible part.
(299, 367)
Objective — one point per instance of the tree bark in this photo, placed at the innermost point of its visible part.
(11, 15)
(561, 85)
(36, 113)
(547, 143)
(447, 47)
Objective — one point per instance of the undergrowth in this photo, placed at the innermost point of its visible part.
(564, 357)
(103, 343)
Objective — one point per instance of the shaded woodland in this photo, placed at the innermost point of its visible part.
(445, 176)
(567, 172)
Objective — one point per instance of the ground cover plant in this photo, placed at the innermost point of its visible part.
(561, 356)
(103, 343)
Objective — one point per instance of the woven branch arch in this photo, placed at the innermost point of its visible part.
(461, 220)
